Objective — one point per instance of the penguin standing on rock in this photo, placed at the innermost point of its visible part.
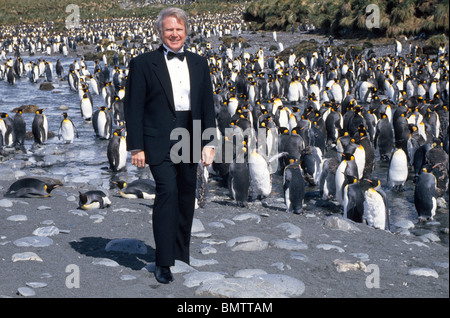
(376, 208)
(398, 170)
(67, 130)
(293, 187)
(117, 151)
(425, 195)
(39, 127)
(93, 199)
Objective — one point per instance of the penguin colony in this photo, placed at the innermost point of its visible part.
(332, 115)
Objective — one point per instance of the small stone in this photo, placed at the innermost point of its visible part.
(363, 257)
(5, 203)
(198, 262)
(288, 244)
(247, 243)
(127, 277)
(46, 231)
(341, 223)
(35, 241)
(17, 218)
(26, 291)
(213, 241)
(36, 284)
(43, 207)
(247, 216)
(208, 250)
(404, 224)
(299, 256)
(26, 256)
(197, 278)
(293, 230)
(328, 247)
(97, 218)
(345, 266)
(46, 86)
(247, 273)
(216, 224)
(106, 262)
(423, 272)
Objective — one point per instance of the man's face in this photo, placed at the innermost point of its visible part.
(173, 33)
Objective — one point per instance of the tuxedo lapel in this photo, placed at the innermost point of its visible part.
(162, 73)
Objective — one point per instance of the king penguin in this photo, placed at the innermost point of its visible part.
(117, 151)
(353, 200)
(93, 199)
(239, 178)
(67, 130)
(376, 208)
(384, 138)
(7, 130)
(260, 178)
(86, 107)
(102, 123)
(31, 187)
(327, 182)
(425, 195)
(39, 127)
(347, 167)
(137, 189)
(398, 170)
(293, 187)
(19, 130)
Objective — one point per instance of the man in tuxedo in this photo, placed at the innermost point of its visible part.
(169, 89)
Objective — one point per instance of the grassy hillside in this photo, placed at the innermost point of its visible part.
(348, 17)
(31, 11)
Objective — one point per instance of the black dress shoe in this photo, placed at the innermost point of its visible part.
(163, 274)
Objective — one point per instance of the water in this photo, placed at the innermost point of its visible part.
(85, 161)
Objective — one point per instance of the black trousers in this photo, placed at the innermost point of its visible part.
(173, 209)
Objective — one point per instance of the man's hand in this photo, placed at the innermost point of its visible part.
(207, 156)
(138, 158)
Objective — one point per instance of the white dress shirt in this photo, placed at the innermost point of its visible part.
(179, 77)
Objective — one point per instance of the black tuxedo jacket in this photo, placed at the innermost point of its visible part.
(149, 107)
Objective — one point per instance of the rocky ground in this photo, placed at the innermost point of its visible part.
(49, 248)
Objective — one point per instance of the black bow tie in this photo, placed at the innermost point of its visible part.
(171, 55)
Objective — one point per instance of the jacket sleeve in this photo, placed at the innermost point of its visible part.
(208, 111)
(134, 105)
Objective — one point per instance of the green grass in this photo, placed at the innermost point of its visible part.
(38, 11)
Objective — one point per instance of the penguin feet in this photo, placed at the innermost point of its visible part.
(424, 219)
(399, 188)
(298, 211)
